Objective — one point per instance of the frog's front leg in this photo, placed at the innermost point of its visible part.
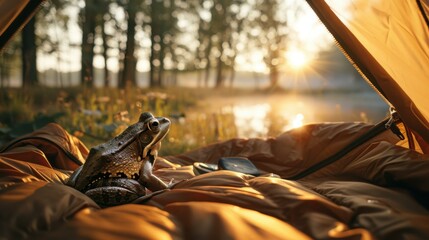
(150, 181)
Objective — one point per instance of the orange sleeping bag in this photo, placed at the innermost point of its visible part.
(377, 191)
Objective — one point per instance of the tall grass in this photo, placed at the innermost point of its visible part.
(96, 115)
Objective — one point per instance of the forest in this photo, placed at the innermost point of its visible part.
(162, 38)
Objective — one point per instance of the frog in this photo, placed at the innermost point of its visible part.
(120, 170)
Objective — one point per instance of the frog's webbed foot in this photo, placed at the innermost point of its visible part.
(153, 183)
(171, 183)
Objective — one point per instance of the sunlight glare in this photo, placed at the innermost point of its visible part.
(296, 59)
(298, 120)
(251, 120)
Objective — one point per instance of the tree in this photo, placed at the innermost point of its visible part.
(272, 37)
(29, 56)
(130, 61)
(9, 58)
(220, 25)
(204, 39)
(51, 23)
(88, 23)
(94, 18)
(272, 33)
(176, 53)
(163, 32)
(103, 18)
(231, 28)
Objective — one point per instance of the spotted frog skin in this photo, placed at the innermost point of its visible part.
(119, 170)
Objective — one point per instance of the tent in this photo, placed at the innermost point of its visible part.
(388, 42)
(377, 189)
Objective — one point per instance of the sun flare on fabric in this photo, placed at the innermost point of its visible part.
(297, 59)
(298, 120)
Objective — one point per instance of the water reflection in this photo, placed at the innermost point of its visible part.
(263, 119)
(250, 120)
(270, 116)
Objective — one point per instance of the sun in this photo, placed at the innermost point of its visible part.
(296, 59)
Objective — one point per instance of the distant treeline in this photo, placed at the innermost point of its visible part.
(171, 35)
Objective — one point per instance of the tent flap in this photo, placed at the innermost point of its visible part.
(388, 42)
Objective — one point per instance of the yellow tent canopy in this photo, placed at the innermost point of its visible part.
(389, 43)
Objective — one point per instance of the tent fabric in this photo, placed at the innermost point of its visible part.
(377, 191)
(389, 43)
(13, 16)
(9, 12)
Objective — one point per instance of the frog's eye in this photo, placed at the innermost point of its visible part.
(153, 125)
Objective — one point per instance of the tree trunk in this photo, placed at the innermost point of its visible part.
(105, 49)
(219, 73)
(207, 72)
(232, 76)
(29, 55)
(130, 61)
(174, 77)
(4, 70)
(153, 80)
(161, 63)
(156, 26)
(208, 65)
(88, 37)
(274, 77)
(220, 65)
(199, 78)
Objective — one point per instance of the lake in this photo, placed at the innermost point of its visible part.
(255, 115)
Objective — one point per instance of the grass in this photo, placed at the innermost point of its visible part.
(96, 115)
